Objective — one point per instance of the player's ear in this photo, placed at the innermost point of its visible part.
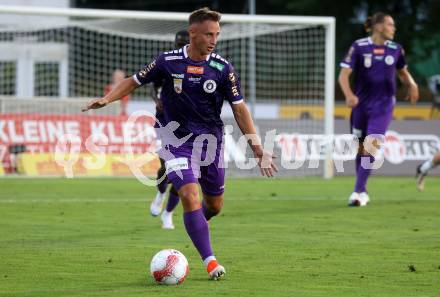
(192, 30)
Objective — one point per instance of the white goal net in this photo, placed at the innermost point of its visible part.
(54, 60)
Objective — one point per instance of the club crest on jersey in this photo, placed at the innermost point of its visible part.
(367, 60)
(194, 70)
(209, 86)
(389, 60)
(178, 85)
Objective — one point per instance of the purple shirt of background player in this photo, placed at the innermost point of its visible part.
(374, 67)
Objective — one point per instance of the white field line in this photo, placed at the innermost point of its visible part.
(228, 199)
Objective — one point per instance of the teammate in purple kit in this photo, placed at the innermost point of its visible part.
(196, 81)
(374, 61)
(181, 39)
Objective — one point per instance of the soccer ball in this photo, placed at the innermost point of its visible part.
(169, 267)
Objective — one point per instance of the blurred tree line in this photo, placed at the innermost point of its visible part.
(417, 21)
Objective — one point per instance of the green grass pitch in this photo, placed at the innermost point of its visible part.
(280, 237)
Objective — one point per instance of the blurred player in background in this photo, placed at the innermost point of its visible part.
(118, 76)
(423, 169)
(374, 61)
(181, 39)
(196, 82)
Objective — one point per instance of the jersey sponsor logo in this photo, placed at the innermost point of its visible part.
(209, 86)
(389, 60)
(194, 79)
(178, 85)
(176, 164)
(194, 70)
(392, 45)
(143, 73)
(380, 58)
(180, 75)
(367, 60)
(379, 51)
(216, 65)
(170, 58)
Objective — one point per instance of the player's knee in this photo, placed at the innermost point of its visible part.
(215, 205)
(190, 198)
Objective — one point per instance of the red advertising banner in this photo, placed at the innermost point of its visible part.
(41, 133)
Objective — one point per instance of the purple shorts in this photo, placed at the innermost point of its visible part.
(196, 163)
(364, 123)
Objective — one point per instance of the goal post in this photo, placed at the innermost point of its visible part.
(286, 64)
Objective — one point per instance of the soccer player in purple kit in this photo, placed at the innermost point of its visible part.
(196, 82)
(374, 61)
(181, 39)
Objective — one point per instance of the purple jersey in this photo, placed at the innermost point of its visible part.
(374, 67)
(193, 92)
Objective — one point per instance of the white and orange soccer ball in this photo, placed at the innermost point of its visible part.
(169, 267)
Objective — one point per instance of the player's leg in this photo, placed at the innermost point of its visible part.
(198, 229)
(185, 182)
(423, 169)
(358, 127)
(212, 205)
(167, 214)
(212, 182)
(377, 125)
(156, 204)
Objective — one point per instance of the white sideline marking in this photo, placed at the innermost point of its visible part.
(73, 200)
(228, 199)
(102, 200)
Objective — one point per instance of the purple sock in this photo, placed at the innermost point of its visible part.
(362, 177)
(358, 162)
(207, 212)
(173, 200)
(198, 230)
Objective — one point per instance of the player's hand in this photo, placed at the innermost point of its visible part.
(413, 94)
(95, 104)
(266, 163)
(352, 101)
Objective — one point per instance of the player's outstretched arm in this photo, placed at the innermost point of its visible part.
(125, 87)
(245, 123)
(406, 79)
(344, 81)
